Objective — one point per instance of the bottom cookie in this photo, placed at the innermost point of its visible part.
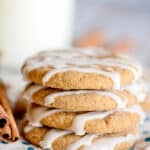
(55, 139)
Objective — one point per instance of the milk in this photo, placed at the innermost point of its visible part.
(27, 26)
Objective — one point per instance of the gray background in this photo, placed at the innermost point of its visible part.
(116, 19)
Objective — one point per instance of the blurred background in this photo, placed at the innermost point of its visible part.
(28, 26)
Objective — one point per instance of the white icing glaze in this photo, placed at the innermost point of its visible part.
(51, 136)
(28, 128)
(78, 60)
(109, 143)
(121, 63)
(120, 103)
(85, 140)
(35, 115)
(80, 120)
(33, 89)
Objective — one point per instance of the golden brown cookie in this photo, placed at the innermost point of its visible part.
(85, 100)
(64, 140)
(81, 69)
(112, 121)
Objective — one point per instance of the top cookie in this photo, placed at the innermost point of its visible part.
(81, 69)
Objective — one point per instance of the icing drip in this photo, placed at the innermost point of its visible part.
(119, 63)
(33, 89)
(109, 143)
(35, 115)
(86, 141)
(80, 120)
(127, 64)
(79, 59)
(51, 136)
(120, 103)
(28, 128)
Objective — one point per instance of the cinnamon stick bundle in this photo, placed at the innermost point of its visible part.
(8, 128)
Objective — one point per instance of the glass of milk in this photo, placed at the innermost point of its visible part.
(28, 26)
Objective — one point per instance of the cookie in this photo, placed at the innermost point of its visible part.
(146, 104)
(86, 122)
(81, 69)
(64, 140)
(85, 100)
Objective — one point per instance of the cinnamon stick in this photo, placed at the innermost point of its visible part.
(3, 117)
(5, 134)
(5, 105)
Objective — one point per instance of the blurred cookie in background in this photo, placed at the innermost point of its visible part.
(122, 45)
(91, 39)
(100, 39)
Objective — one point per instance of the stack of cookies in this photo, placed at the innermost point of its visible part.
(82, 99)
